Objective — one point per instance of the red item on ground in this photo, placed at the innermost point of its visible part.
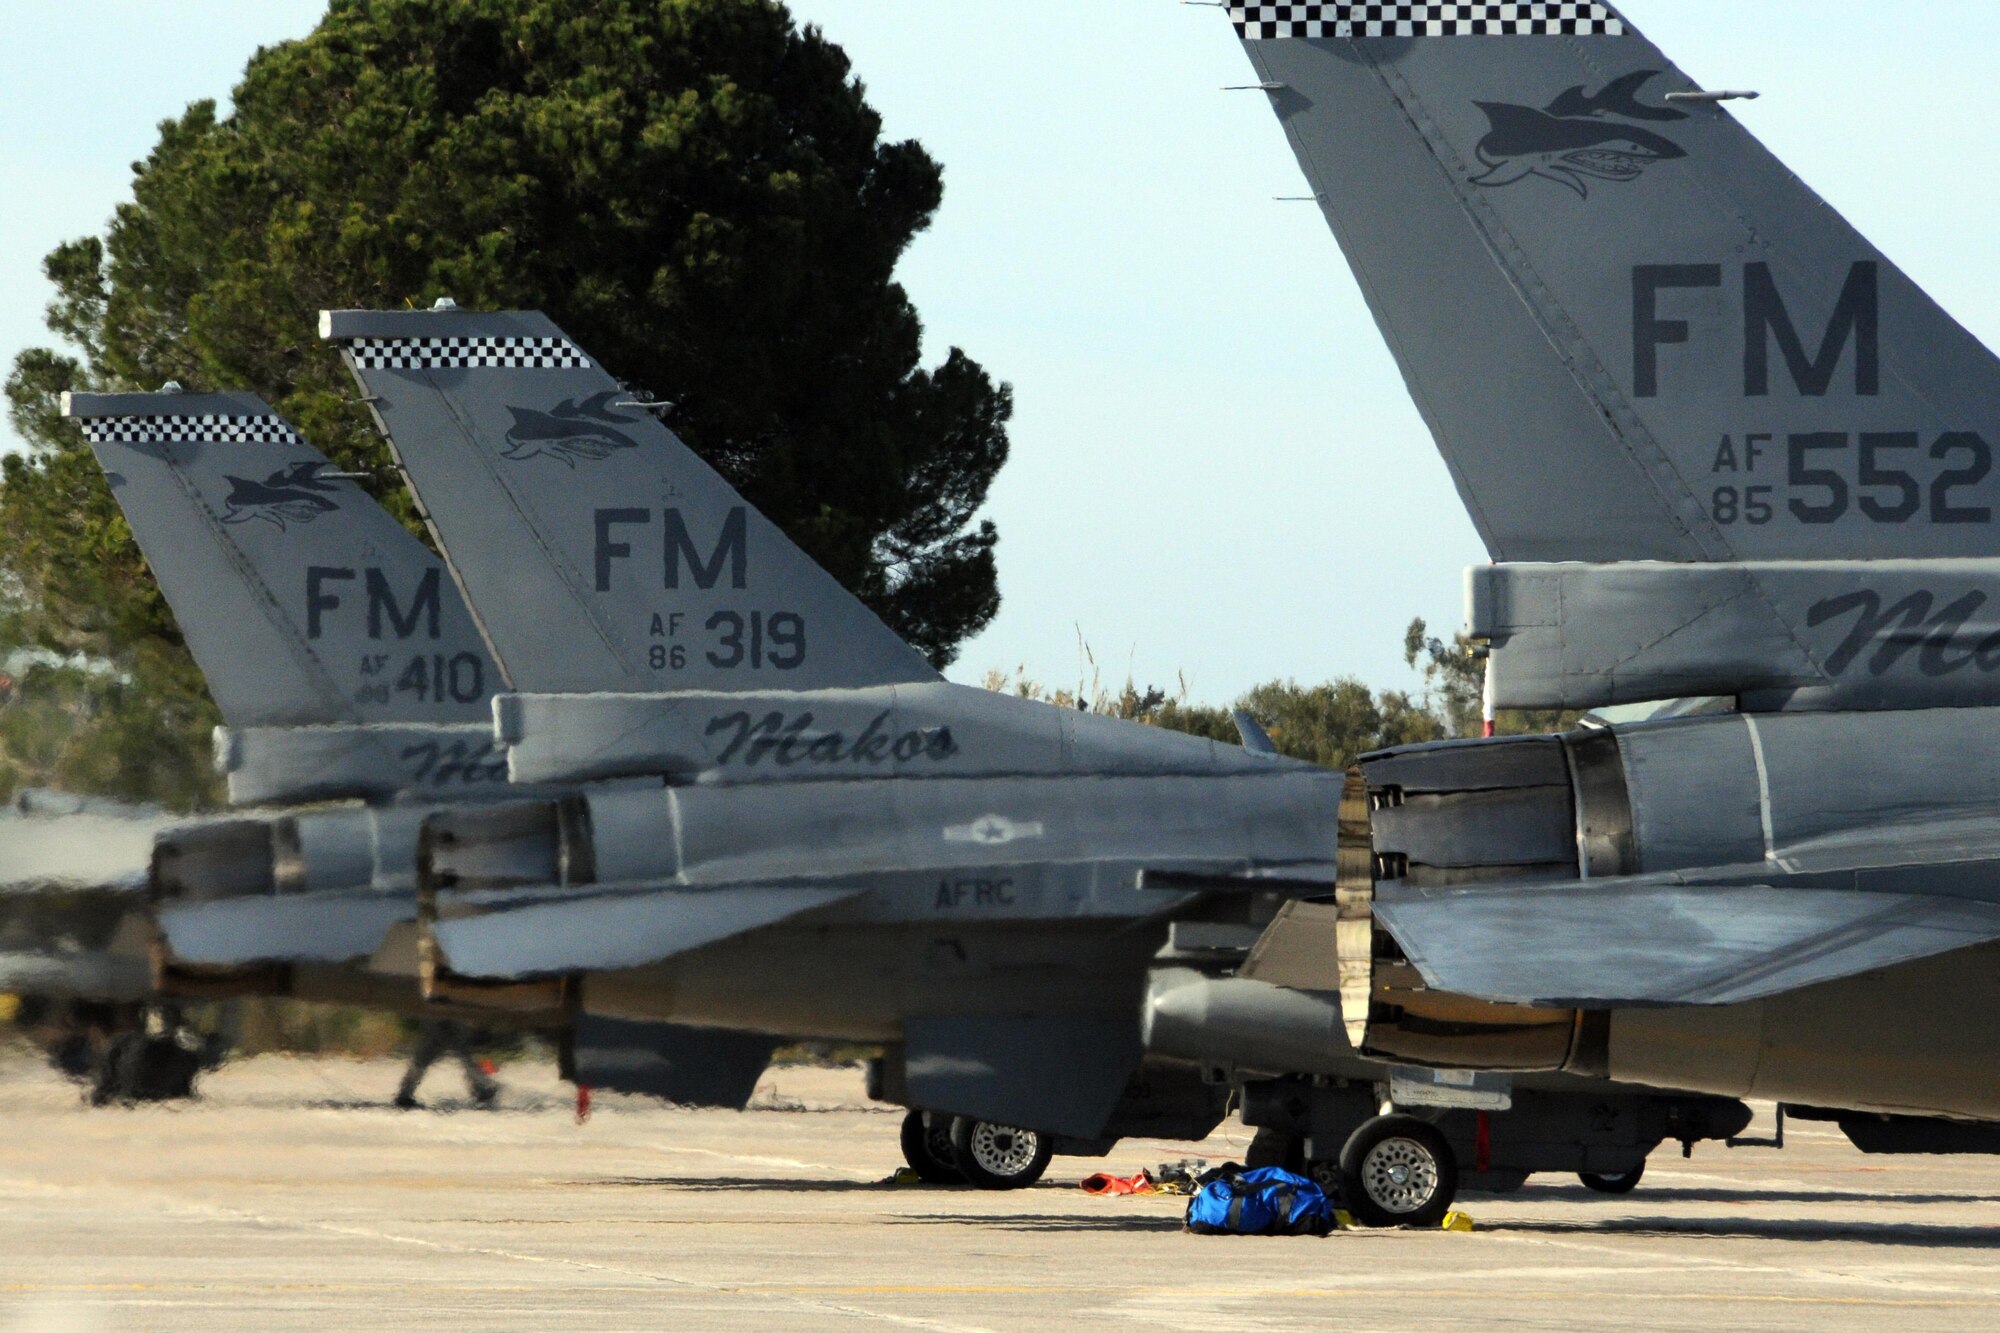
(1104, 1183)
(582, 1102)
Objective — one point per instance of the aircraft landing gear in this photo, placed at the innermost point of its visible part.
(999, 1157)
(1270, 1146)
(927, 1148)
(1274, 1147)
(1398, 1171)
(145, 1067)
(128, 1053)
(1620, 1182)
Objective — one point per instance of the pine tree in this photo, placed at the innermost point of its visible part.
(697, 190)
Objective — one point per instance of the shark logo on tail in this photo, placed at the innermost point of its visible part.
(572, 430)
(294, 494)
(1576, 137)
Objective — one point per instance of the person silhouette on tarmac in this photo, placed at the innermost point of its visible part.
(436, 1039)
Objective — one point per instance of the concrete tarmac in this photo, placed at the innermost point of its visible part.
(291, 1197)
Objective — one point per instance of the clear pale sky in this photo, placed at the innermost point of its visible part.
(1215, 470)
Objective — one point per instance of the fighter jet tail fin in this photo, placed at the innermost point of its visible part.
(1633, 333)
(598, 551)
(303, 602)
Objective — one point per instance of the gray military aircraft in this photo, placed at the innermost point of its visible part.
(70, 869)
(72, 881)
(355, 690)
(73, 873)
(1716, 444)
(819, 836)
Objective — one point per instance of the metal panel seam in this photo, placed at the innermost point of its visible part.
(1763, 786)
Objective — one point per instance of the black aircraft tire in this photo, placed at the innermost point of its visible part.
(1622, 1182)
(1398, 1171)
(72, 1054)
(927, 1148)
(1274, 1147)
(999, 1157)
(120, 1066)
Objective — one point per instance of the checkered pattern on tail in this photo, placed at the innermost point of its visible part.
(193, 430)
(1554, 18)
(467, 353)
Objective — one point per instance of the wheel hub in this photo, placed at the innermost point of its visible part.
(1399, 1175)
(1002, 1149)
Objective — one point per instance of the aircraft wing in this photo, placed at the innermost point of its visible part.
(614, 930)
(1687, 938)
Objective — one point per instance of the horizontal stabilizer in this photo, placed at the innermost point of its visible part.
(1055, 1074)
(288, 928)
(614, 930)
(684, 1065)
(1653, 941)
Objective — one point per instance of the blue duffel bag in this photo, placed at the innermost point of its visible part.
(1269, 1201)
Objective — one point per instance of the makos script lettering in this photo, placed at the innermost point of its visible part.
(787, 741)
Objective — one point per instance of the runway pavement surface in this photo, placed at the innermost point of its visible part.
(291, 1197)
